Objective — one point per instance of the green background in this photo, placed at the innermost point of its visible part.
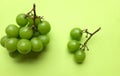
(103, 59)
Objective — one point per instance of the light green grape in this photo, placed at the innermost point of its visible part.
(26, 33)
(73, 46)
(12, 30)
(79, 56)
(76, 34)
(11, 44)
(24, 46)
(21, 20)
(44, 27)
(37, 45)
(45, 39)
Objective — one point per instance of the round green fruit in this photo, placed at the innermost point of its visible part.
(11, 44)
(45, 39)
(21, 20)
(26, 33)
(76, 34)
(37, 45)
(12, 30)
(24, 46)
(44, 27)
(79, 56)
(73, 46)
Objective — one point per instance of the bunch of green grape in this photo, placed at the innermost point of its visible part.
(74, 45)
(29, 35)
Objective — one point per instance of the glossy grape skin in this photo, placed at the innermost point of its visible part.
(3, 40)
(11, 44)
(76, 34)
(12, 30)
(44, 27)
(26, 33)
(21, 20)
(37, 45)
(79, 56)
(45, 39)
(24, 46)
(73, 46)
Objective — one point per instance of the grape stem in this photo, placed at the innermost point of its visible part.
(29, 13)
(34, 10)
(83, 46)
(34, 16)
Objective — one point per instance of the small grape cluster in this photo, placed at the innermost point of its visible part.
(29, 36)
(74, 46)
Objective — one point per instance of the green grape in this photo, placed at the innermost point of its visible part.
(79, 56)
(11, 44)
(37, 45)
(24, 46)
(37, 21)
(44, 27)
(76, 34)
(21, 20)
(30, 21)
(26, 32)
(73, 46)
(3, 40)
(45, 39)
(12, 30)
